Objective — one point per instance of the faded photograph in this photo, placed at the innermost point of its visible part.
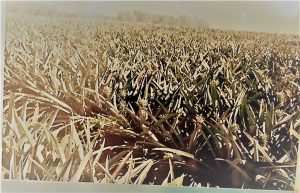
(200, 93)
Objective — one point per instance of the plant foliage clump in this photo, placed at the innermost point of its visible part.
(141, 104)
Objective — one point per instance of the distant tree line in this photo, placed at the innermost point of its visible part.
(34, 9)
(143, 17)
(124, 16)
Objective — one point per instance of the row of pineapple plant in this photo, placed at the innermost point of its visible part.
(140, 104)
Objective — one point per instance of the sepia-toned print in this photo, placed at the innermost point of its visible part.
(201, 94)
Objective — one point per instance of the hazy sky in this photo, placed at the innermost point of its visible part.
(268, 16)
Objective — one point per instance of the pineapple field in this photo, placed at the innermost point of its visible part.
(132, 103)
